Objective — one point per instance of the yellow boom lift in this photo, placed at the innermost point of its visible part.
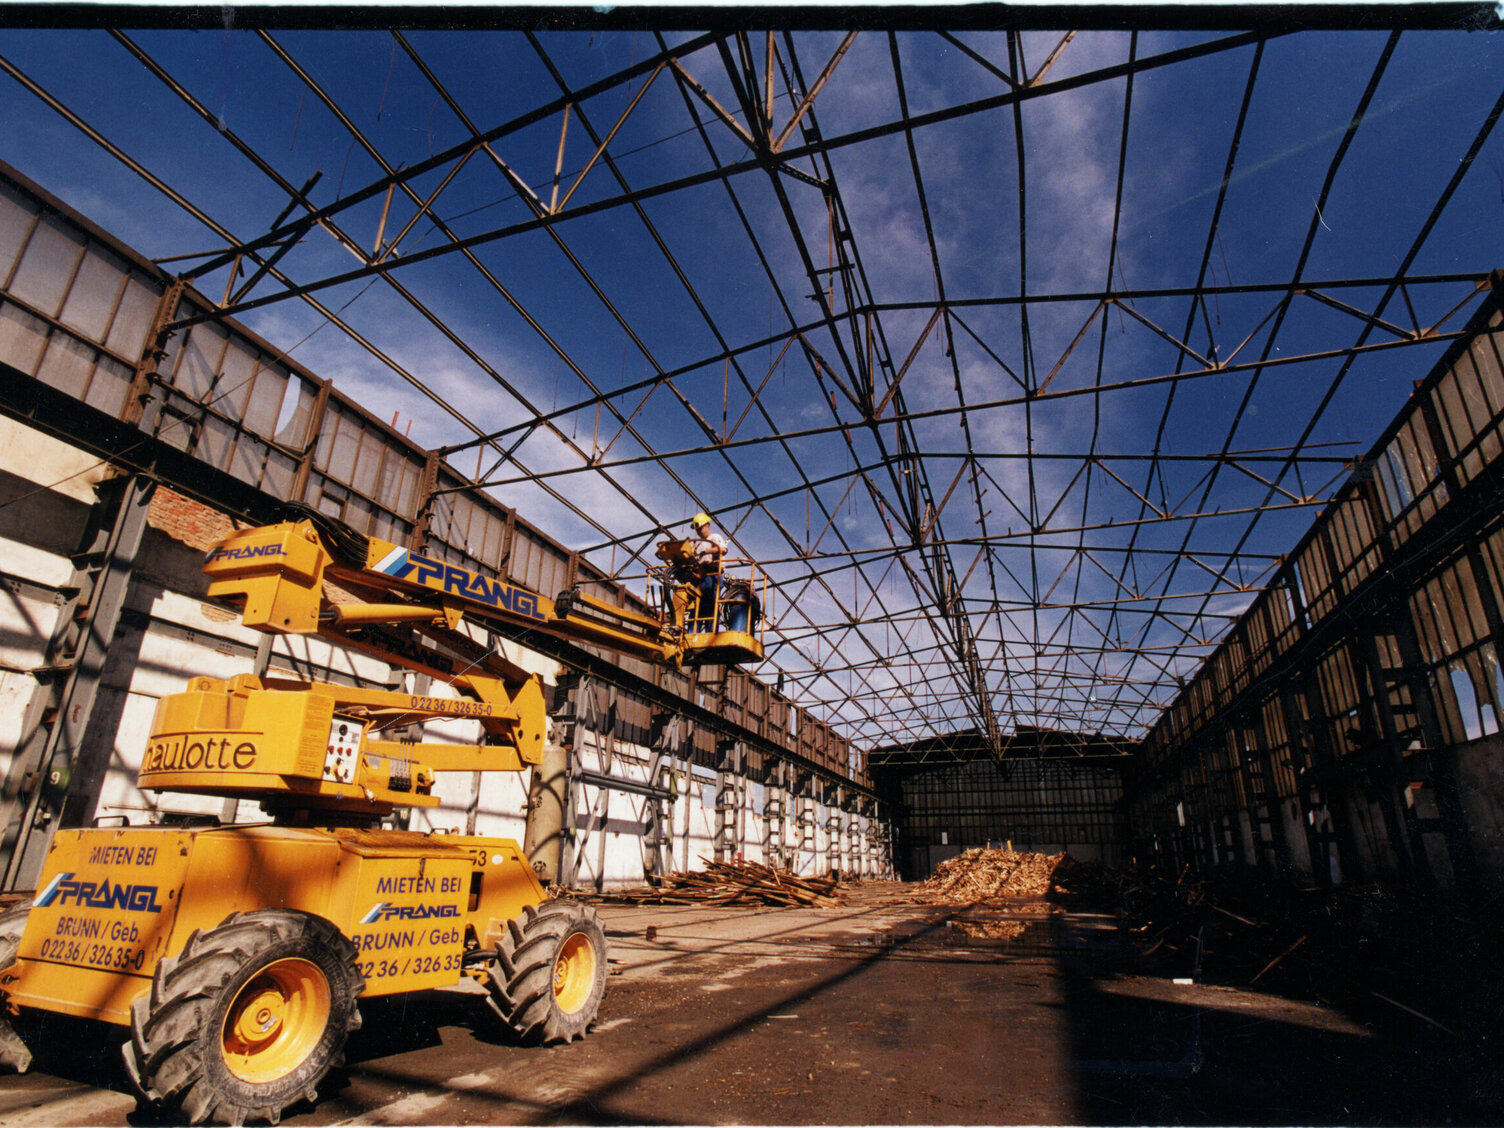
(236, 954)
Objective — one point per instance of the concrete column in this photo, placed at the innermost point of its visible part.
(833, 831)
(729, 764)
(854, 851)
(547, 801)
(668, 736)
(773, 842)
(51, 781)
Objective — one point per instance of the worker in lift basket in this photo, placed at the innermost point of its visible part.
(709, 549)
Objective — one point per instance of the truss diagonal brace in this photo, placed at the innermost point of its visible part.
(1169, 338)
(705, 96)
(1367, 318)
(601, 148)
(913, 352)
(809, 99)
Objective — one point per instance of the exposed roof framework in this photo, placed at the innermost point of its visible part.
(1016, 359)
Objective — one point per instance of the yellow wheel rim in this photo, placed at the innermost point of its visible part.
(275, 1021)
(574, 973)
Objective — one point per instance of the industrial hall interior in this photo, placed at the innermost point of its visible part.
(574, 565)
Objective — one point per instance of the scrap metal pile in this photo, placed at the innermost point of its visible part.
(731, 883)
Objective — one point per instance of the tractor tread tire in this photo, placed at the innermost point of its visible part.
(174, 1056)
(520, 980)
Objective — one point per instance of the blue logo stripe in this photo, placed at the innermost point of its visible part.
(397, 563)
(46, 896)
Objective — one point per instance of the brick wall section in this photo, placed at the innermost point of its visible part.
(186, 520)
(201, 527)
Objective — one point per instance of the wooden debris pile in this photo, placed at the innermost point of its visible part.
(731, 883)
(982, 874)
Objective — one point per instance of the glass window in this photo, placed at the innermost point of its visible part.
(69, 364)
(16, 217)
(195, 374)
(91, 298)
(367, 462)
(281, 472)
(338, 458)
(214, 441)
(236, 376)
(1467, 702)
(47, 264)
(22, 338)
(110, 386)
(265, 402)
(248, 459)
(133, 319)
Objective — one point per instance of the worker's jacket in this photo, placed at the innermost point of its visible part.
(709, 548)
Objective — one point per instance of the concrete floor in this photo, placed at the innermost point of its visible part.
(881, 1011)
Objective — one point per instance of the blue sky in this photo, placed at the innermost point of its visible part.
(606, 301)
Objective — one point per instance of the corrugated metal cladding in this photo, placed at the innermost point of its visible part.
(1348, 728)
(76, 309)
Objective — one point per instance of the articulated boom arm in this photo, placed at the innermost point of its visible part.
(302, 746)
(279, 570)
(298, 745)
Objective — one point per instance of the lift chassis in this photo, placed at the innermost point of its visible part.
(236, 955)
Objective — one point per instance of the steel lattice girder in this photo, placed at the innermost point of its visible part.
(992, 493)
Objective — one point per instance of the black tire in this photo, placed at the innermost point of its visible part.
(549, 973)
(196, 1048)
(13, 1051)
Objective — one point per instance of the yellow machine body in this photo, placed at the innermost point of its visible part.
(315, 745)
(259, 937)
(114, 902)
